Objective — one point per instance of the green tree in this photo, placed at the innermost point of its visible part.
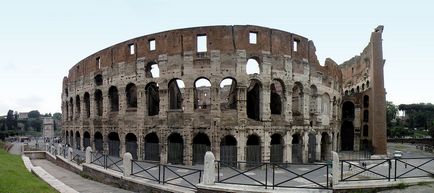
(57, 116)
(34, 114)
(391, 111)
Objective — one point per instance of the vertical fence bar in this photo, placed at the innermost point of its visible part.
(327, 175)
(395, 168)
(266, 175)
(342, 170)
(273, 175)
(200, 175)
(390, 168)
(164, 173)
(132, 166)
(218, 171)
(159, 173)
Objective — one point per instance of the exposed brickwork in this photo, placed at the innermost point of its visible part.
(313, 112)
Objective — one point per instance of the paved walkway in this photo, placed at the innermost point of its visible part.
(74, 180)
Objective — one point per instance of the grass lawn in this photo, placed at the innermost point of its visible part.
(14, 177)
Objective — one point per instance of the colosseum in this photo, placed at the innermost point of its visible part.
(247, 93)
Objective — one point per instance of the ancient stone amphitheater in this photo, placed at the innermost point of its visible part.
(247, 93)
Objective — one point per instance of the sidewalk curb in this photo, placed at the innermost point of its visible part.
(48, 178)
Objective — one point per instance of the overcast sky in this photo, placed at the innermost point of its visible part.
(41, 40)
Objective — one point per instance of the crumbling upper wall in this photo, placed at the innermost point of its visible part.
(226, 39)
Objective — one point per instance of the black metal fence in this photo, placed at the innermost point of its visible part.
(284, 175)
(78, 157)
(107, 161)
(167, 174)
(386, 169)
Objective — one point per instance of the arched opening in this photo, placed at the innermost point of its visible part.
(71, 138)
(365, 116)
(152, 147)
(253, 100)
(358, 89)
(152, 70)
(252, 66)
(67, 138)
(131, 92)
(87, 104)
(297, 143)
(98, 80)
(114, 99)
(114, 144)
(352, 91)
(201, 145)
(67, 110)
(228, 150)
(365, 130)
(98, 102)
(131, 144)
(366, 101)
(153, 99)
(176, 89)
(325, 104)
(276, 148)
(313, 100)
(98, 142)
(297, 102)
(77, 140)
(347, 131)
(71, 105)
(325, 146)
(363, 87)
(202, 94)
(77, 105)
(175, 152)
(253, 150)
(276, 97)
(367, 84)
(311, 148)
(348, 111)
(86, 139)
(228, 94)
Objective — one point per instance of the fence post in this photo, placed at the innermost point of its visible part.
(127, 164)
(335, 168)
(209, 169)
(47, 147)
(88, 154)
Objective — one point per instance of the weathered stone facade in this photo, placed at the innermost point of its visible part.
(206, 97)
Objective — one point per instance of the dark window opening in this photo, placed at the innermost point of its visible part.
(131, 92)
(366, 101)
(365, 116)
(276, 93)
(253, 100)
(98, 142)
(297, 153)
(153, 99)
(87, 104)
(78, 106)
(348, 111)
(114, 144)
(71, 105)
(152, 147)
(175, 154)
(98, 102)
(98, 80)
(253, 150)
(365, 131)
(297, 100)
(131, 145)
(114, 99)
(276, 148)
(201, 145)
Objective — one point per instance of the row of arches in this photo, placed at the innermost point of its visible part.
(229, 147)
(203, 98)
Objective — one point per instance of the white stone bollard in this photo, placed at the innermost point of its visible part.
(209, 169)
(52, 149)
(88, 154)
(335, 169)
(70, 150)
(127, 164)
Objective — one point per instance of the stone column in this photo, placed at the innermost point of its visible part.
(59, 149)
(287, 153)
(209, 169)
(127, 164)
(318, 146)
(335, 141)
(70, 151)
(335, 169)
(266, 146)
(305, 149)
(241, 148)
(88, 155)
